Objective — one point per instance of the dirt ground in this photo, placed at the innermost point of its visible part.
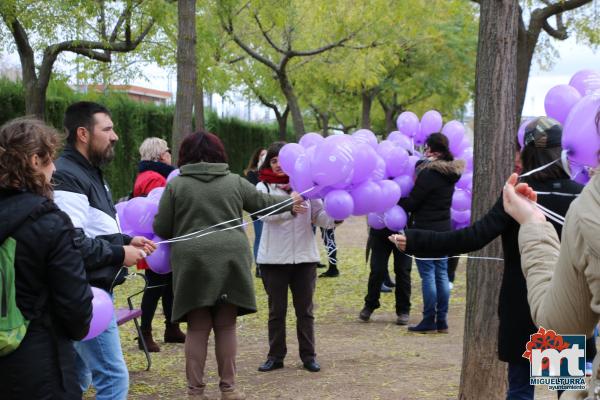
(375, 360)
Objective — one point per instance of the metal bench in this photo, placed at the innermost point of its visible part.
(124, 315)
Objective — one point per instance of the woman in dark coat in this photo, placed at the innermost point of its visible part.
(429, 207)
(51, 290)
(543, 138)
(212, 282)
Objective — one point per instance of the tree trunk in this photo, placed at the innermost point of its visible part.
(325, 124)
(186, 72)
(35, 99)
(199, 107)
(282, 124)
(483, 376)
(292, 101)
(367, 103)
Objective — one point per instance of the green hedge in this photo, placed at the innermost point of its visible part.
(134, 122)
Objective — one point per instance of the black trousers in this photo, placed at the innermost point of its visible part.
(158, 286)
(328, 236)
(301, 279)
(452, 264)
(381, 248)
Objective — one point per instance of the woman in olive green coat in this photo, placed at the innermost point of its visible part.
(212, 281)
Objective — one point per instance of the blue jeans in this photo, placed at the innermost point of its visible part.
(100, 361)
(518, 382)
(258, 225)
(436, 291)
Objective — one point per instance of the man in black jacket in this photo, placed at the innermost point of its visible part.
(81, 191)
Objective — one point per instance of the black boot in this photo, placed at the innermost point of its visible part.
(331, 272)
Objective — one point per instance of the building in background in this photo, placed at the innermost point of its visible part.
(137, 93)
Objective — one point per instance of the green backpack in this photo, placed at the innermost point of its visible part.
(13, 325)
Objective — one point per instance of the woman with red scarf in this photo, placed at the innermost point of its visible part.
(288, 258)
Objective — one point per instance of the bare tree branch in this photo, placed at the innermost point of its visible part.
(228, 27)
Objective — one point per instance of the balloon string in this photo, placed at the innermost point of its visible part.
(200, 233)
(538, 169)
(447, 257)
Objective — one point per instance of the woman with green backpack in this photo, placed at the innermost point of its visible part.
(45, 300)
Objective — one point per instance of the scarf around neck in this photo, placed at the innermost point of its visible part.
(267, 175)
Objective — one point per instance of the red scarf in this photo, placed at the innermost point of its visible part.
(267, 175)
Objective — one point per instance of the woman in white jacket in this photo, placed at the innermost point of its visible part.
(288, 257)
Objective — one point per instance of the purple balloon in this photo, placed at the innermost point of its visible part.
(301, 179)
(406, 184)
(401, 140)
(396, 162)
(420, 137)
(156, 193)
(365, 136)
(338, 204)
(160, 261)
(521, 132)
(466, 181)
(454, 131)
(375, 221)
(139, 214)
(582, 177)
(379, 171)
(173, 174)
(310, 139)
(288, 156)
(102, 313)
(333, 161)
(431, 122)
(395, 218)
(461, 200)
(467, 155)
(412, 164)
(314, 193)
(460, 217)
(365, 162)
(408, 123)
(365, 197)
(390, 194)
(586, 82)
(580, 136)
(559, 101)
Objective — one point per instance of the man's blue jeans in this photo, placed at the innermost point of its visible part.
(99, 361)
(436, 291)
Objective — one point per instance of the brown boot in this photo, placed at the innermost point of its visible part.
(151, 345)
(173, 334)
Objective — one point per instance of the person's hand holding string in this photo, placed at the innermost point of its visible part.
(519, 202)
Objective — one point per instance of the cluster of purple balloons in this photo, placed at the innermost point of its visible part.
(356, 175)
(575, 106)
(136, 217)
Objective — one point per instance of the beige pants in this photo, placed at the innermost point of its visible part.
(201, 321)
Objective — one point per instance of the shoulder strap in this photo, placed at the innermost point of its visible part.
(267, 186)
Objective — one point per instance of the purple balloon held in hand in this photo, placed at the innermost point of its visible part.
(102, 313)
(159, 261)
(375, 221)
(431, 122)
(395, 218)
(559, 101)
(310, 139)
(173, 174)
(338, 204)
(408, 123)
(288, 156)
(366, 197)
(586, 82)
(579, 136)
